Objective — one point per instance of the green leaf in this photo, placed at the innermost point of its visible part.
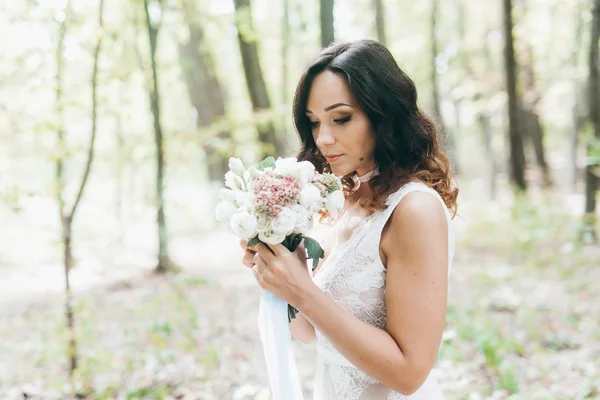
(254, 241)
(292, 311)
(292, 241)
(268, 162)
(314, 250)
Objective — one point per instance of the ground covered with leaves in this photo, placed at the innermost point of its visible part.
(523, 323)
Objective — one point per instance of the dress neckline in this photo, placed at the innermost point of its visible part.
(361, 225)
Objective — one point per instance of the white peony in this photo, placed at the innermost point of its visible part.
(306, 171)
(264, 224)
(244, 199)
(310, 198)
(285, 222)
(227, 195)
(303, 219)
(232, 181)
(236, 166)
(335, 202)
(243, 224)
(303, 171)
(224, 211)
(287, 166)
(271, 237)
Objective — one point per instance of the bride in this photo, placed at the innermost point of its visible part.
(376, 304)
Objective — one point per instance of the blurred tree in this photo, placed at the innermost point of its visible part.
(531, 127)
(285, 44)
(68, 215)
(327, 22)
(204, 90)
(437, 113)
(578, 116)
(66, 224)
(517, 155)
(247, 39)
(380, 21)
(529, 117)
(591, 180)
(153, 23)
(476, 85)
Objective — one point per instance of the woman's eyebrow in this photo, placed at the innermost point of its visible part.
(331, 107)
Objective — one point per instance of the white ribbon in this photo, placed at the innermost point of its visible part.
(277, 346)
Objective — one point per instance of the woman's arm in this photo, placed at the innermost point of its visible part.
(302, 329)
(415, 245)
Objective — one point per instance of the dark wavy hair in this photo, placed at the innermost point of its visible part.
(406, 140)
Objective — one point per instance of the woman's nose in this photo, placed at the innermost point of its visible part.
(324, 137)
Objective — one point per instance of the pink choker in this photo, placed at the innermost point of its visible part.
(368, 175)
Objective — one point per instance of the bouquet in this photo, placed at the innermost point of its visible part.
(276, 203)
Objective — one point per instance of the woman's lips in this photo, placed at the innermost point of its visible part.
(333, 158)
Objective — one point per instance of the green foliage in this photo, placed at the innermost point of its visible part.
(268, 162)
(509, 377)
(314, 250)
(254, 241)
(155, 392)
(593, 145)
(243, 20)
(292, 241)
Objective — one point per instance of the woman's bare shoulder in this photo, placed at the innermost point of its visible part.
(418, 214)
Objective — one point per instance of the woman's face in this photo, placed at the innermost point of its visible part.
(341, 131)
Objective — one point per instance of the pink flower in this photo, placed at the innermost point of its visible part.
(273, 192)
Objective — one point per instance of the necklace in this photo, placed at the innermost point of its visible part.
(368, 175)
(361, 179)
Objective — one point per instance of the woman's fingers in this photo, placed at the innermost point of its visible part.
(248, 258)
(248, 254)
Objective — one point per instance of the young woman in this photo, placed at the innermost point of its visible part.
(376, 304)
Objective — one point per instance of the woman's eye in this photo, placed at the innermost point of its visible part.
(342, 121)
(314, 124)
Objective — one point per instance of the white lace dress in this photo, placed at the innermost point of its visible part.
(354, 276)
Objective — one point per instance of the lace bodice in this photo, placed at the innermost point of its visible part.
(354, 276)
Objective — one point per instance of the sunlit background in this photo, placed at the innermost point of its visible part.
(159, 305)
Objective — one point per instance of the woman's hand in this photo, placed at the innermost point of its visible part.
(283, 273)
(247, 254)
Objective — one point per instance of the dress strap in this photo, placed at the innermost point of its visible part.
(394, 199)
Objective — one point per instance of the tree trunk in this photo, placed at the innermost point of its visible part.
(327, 28)
(119, 157)
(486, 132)
(163, 254)
(285, 43)
(270, 144)
(204, 91)
(380, 21)
(577, 120)
(517, 155)
(591, 180)
(72, 354)
(531, 127)
(537, 136)
(67, 217)
(437, 113)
